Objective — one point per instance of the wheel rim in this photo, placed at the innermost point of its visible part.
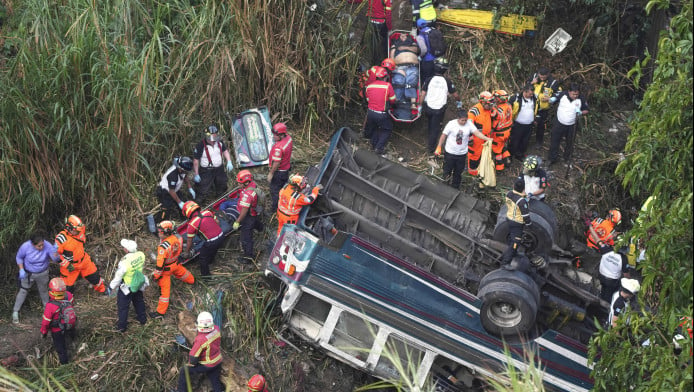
(529, 241)
(504, 314)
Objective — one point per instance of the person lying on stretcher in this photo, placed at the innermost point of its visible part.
(405, 78)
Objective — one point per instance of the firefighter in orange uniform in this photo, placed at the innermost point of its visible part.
(601, 231)
(167, 264)
(292, 199)
(481, 116)
(74, 260)
(501, 126)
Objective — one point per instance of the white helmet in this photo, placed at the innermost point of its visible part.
(205, 322)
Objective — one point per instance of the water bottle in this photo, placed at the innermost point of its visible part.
(150, 224)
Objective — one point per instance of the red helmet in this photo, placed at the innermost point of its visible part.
(57, 288)
(167, 227)
(501, 96)
(615, 216)
(380, 72)
(244, 176)
(388, 64)
(256, 384)
(486, 97)
(189, 207)
(73, 222)
(279, 129)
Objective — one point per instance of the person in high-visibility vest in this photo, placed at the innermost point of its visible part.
(74, 260)
(292, 199)
(501, 129)
(601, 231)
(167, 264)
(131, 264)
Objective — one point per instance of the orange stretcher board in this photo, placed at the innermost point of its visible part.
(510, 24)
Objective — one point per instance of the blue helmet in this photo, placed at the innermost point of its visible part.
(422, 23)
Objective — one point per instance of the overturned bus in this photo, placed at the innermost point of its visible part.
(398, 275)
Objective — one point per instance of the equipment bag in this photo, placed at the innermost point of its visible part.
(137, 281)
(486, 168)
(67, 318)
(437, 44)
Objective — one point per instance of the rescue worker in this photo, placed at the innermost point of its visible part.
(612, 266)
(248, 219)
(369, 76)
(257, 384)
(280, 161)
(168, 251)
(524, 110)
(426, 64)
(481, 116)
(501, 126)
(434, 97)
(601, 231)
(456, 136)
(518, 214)
(379, 126)
(129, 265)
(571, 105)
(544, 86)
(292, 199)
(208, 163)
(423, 9)
(75, 261)
(534, 177)
(33, 259)
(205, 357)
(168, 191)
(621, 300)
(51, 316)
(206, 225)
(380, 22)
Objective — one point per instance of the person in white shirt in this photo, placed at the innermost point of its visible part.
(524, 110)
(571, 106)
(612, 266)
(434, 96)
(456, 135)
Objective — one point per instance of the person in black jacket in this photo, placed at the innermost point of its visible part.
(518, 214)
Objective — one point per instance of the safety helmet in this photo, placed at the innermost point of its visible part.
(205, 322)
(56, 288)
(615, 216)
(422, 23)
(501, 96)
(486, 97)
(380, 72)
(441, 65)
(244, 176)
(166, 227)
(73, 222)
(256, 383)
(631, 286)
(279, 129)
(212, 133)
(189, 207)
(530, 163)
(184, 163)
(388, 64)
(298, 180)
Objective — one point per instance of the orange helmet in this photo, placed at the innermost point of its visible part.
(298, 180)
(73, 222)
(189, 207)
(615, 216)
(501, 96)
(279, 129)
(243, 177)
(166, 227)
(486, 97)
(388, 64)
(256, 384)
(380, 72)
(56, 288)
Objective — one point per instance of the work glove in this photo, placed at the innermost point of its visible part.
(319, 186)
(230, 166)
(112, 292)
(437, 152)
(197, 179)
(553, 100)
(236, 225)
(578, 111)
(70, 267)
(459, 104)
(156, 275)
(22, 274)
(192, 192)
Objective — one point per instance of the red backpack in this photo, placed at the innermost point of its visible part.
(67, 318)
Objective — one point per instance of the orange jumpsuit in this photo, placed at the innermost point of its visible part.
(605, 230)
(291, 201)
(167, 264)
(482, 119)
(71, 252)
(502, 131)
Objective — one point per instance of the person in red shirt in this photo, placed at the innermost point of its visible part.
(380, 21)
(248, 219)
(379, 126)
(481, 116)
(51, 316)
(205, 356)
(204, 224)
(280, 162)
(369, 76)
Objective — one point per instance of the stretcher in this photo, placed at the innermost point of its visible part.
(406, 83)
(477, 19)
